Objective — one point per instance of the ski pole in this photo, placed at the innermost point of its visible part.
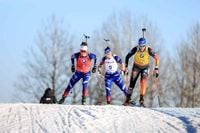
(157, 90)
(155, 85)
(126, 79)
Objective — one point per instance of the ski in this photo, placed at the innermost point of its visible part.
(134, 104)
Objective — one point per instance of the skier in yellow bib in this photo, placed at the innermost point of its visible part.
(140, 67)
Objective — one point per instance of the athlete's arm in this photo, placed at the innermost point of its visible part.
(118, 59)
(93, 56)
(131, 53)
(75, 55)
(154, 55)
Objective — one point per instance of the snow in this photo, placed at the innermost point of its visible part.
(54, 118)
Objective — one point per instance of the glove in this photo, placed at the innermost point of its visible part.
(126, 71)
(61, 101)
(122, 72)
(94, 69)
(99, 69)
(73, 68)
(155, 72)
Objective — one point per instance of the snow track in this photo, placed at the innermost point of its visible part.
(43, 118)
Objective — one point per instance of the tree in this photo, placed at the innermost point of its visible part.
(47, 62)
(188, 75)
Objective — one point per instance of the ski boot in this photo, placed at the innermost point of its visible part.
(83, 100)
(61, 101)
(128, 100)
(141, 101)
(108, 102)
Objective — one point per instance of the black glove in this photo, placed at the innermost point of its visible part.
(94, 69)
(61, 101)
(155, 72)
(99, 69)
(73, 68)
(126, 71)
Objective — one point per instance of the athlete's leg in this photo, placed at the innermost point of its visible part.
(144, 76)
(85, 84)
(75, 78)
(134, 76)
(108, 85)
(120, 83)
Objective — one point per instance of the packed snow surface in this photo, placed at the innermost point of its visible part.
(54, 118)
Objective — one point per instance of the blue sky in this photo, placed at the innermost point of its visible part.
(20, 20)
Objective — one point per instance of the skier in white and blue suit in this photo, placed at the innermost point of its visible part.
(112, 74)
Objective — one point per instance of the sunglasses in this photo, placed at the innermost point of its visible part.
(142, 46)
(107, 52)
(83, 51)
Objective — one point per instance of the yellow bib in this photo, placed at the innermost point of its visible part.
(142, 57)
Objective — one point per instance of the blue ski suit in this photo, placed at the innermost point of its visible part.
(83, 65)
(112, 75)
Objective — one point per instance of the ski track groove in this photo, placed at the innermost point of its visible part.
(62, 115)
(81, 117)
(53, 119)
(170, 121)
(158, 117)
(39, 120)
(91, 119)
(72, 120)
(10, 118)
(182, 116)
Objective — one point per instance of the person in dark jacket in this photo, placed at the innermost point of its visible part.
(48, 97)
